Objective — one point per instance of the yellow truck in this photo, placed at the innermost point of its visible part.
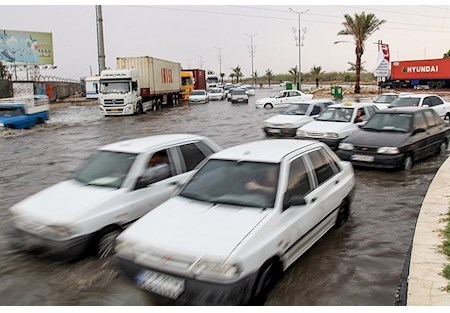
(187, 84)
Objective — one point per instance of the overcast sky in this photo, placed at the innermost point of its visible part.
(190, 34)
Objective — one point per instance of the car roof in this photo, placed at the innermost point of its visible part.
(416, 95)
(352, 105)
(269, 150)
(399, 110)
(314, 101)
(145, 144)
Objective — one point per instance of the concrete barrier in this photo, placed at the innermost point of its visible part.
(426, 283)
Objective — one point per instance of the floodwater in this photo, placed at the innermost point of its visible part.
(359, 264)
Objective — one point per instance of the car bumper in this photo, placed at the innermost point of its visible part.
(332, 143)
(197, 292)
(379, 160)
(280, 132)
(65, 249)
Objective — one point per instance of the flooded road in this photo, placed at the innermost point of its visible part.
(359, 264)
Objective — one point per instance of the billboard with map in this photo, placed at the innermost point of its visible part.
(24, 47)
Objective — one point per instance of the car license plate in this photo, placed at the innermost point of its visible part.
(362, 158)
(164, 285)
(274, 131)
(114, 110)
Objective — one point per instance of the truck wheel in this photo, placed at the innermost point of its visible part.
(159, 104)
(175, 100)
(440, 84)
(139, 109)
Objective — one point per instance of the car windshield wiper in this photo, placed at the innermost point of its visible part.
(371, 128)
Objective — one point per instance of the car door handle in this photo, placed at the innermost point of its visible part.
(336, 182)
(174, 183)
(313, 199)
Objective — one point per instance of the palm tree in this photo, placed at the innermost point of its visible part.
(352, 67)
(447, 54)
(361, 27)
(316, 71)
(255, 76)
(294, 72)
(232, 76)
(269, 75)
(237, 73)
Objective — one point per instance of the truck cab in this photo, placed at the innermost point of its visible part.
(187, 84)
(119, 93)
(212, 81)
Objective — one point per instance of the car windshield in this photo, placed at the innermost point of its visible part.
(114, 87)
(296, 109)
(405, 102)
(393, 122)
(106, 168)
(198, 93)
(231, 182)
(214, 91)
(336, 115)
(385, 98)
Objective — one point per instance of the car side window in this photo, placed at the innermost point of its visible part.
(158, 167)
(426, 101)
(436, 101)
(192, 155)
(419, 121)
(330, 159)
(322, 166)
(360, 116)
(431, 121)
(298, 183)
(316, 110)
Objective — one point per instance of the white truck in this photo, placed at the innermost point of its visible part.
(139, 84)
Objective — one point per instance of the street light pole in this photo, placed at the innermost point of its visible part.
(220, 63)
(252, 53)
(299, 47)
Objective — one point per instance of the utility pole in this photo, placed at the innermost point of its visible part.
(300, 44)
(100, 42)
(252, 53)
(220, 62)
(201, 61)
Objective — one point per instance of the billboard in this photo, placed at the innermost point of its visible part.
(383, 69)
(23, 47)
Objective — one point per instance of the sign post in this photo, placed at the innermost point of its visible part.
(383, 64)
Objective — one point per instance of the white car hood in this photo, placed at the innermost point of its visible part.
(63, 203)
(291, 119)
(190, 227)
(334, 127)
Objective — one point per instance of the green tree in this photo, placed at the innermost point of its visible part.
(316, 71)
(360, 27)
(294, 72)
(237, 73)
(269, 75)
(232, 77)
(447, 55)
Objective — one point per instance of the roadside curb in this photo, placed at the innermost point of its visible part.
(425, 281)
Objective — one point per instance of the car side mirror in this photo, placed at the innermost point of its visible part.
(418, 130)
(292, 201)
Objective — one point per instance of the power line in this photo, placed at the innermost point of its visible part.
(388, 11)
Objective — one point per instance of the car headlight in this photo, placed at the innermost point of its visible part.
(331, 135)
(2, 125)
(56, 232)
(300, 133)
(215, 271)
(388, 150)
(345, 146)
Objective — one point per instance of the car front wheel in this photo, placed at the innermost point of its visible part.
(268, 106)
(407, 163)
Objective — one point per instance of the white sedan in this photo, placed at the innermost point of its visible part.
(216, 94)
(199, 96)
(283, 99)
(247, 215)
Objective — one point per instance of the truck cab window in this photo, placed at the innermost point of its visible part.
(134, 86)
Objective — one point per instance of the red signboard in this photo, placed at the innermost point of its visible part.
(421, 69)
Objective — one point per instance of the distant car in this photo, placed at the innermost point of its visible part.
(295, 116)
(283, 99)
(248, 214)
(395, 138)
(216, 94)
(239, 95)
(118, 185)
(337, 122)
(382, 101)
(435, 102)
(230, 92)
(250, 90)
(199, 96)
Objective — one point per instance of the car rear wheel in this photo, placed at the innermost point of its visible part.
(443, 148)
(343, 213)
(407, 163)
(268, 106)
